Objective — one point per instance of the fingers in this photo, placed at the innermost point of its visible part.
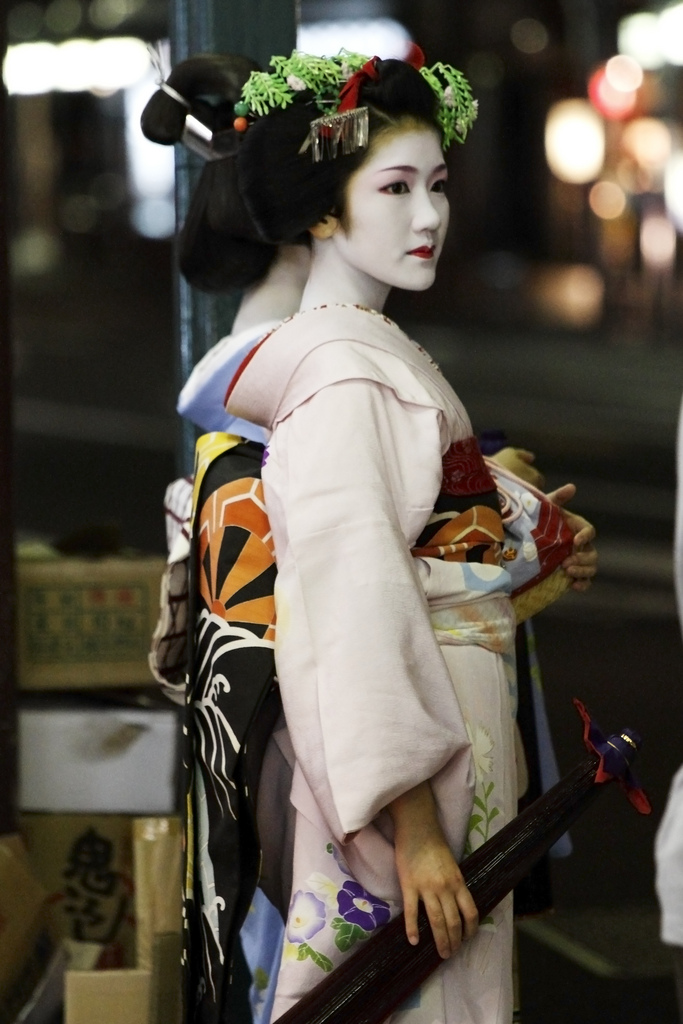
(562, 494)
(584, 562)
(532, 475)
(453, 917)
(520, 462)
(454, 922)
(582, 567)
(468, 912)
(579, 573)
(444, 919)
(585, 536)
(584, 532)
(427, 871)
(410, 912)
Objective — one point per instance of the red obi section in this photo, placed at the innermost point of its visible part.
(464, 470)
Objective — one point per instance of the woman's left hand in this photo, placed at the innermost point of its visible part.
(520, 461)
(582, 564)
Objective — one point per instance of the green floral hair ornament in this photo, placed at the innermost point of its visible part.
(457, 110)
(324, 77)
(264, 92)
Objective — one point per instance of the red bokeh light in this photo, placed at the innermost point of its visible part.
(612, 103)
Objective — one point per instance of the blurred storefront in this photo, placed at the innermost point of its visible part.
(557, 313)
(567, 209)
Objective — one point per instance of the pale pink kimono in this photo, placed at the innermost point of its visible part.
(392, 668)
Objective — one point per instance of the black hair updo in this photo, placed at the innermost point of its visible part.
(219, 246)
(284, 190)
(269, 192)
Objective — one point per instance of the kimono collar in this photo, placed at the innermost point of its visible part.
(262, 391)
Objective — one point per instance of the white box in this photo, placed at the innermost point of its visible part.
(98, 760)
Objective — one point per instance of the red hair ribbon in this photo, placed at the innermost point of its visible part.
(415, 57)
(368, 73)
(349, 92)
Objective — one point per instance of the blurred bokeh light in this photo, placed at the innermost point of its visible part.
(574, 141)
(568, 296)
(648, 141)
(610, 101)
(529, 35)
(383, 36)
(638, 37)
(670, 33)
(76, 65)
(657, 242)
(607, 200)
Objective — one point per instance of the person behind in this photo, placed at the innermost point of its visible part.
(669, 838)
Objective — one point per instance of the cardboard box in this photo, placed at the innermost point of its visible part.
(107, 997)
(151, 994)
(89, 758)
(166, 987)
(86, 622)
(158, 860)
(157, 855)
(85, 863)
(28, 938)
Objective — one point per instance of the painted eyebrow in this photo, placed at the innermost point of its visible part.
(407, 169)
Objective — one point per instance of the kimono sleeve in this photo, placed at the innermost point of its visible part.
(351, 478)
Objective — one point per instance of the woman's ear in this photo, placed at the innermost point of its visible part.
(325, 227)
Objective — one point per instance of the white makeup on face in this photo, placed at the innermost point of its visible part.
(396, 221)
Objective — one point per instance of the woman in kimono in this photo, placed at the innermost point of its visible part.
(394, 632)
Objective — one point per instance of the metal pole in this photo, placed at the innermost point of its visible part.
(257, 29)
(8, 738)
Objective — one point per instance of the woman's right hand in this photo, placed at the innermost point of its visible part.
(428, 871)
(582, 564)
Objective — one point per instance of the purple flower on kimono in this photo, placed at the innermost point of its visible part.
(306, 916)
(358, 907)
(266, 453)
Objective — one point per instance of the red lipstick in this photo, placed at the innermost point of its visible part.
(425, 252)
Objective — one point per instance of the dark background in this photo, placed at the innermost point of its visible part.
(95, 375)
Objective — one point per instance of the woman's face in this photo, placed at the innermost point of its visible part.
(397, 211)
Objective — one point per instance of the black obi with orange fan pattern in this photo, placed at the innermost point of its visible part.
(466, 525)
